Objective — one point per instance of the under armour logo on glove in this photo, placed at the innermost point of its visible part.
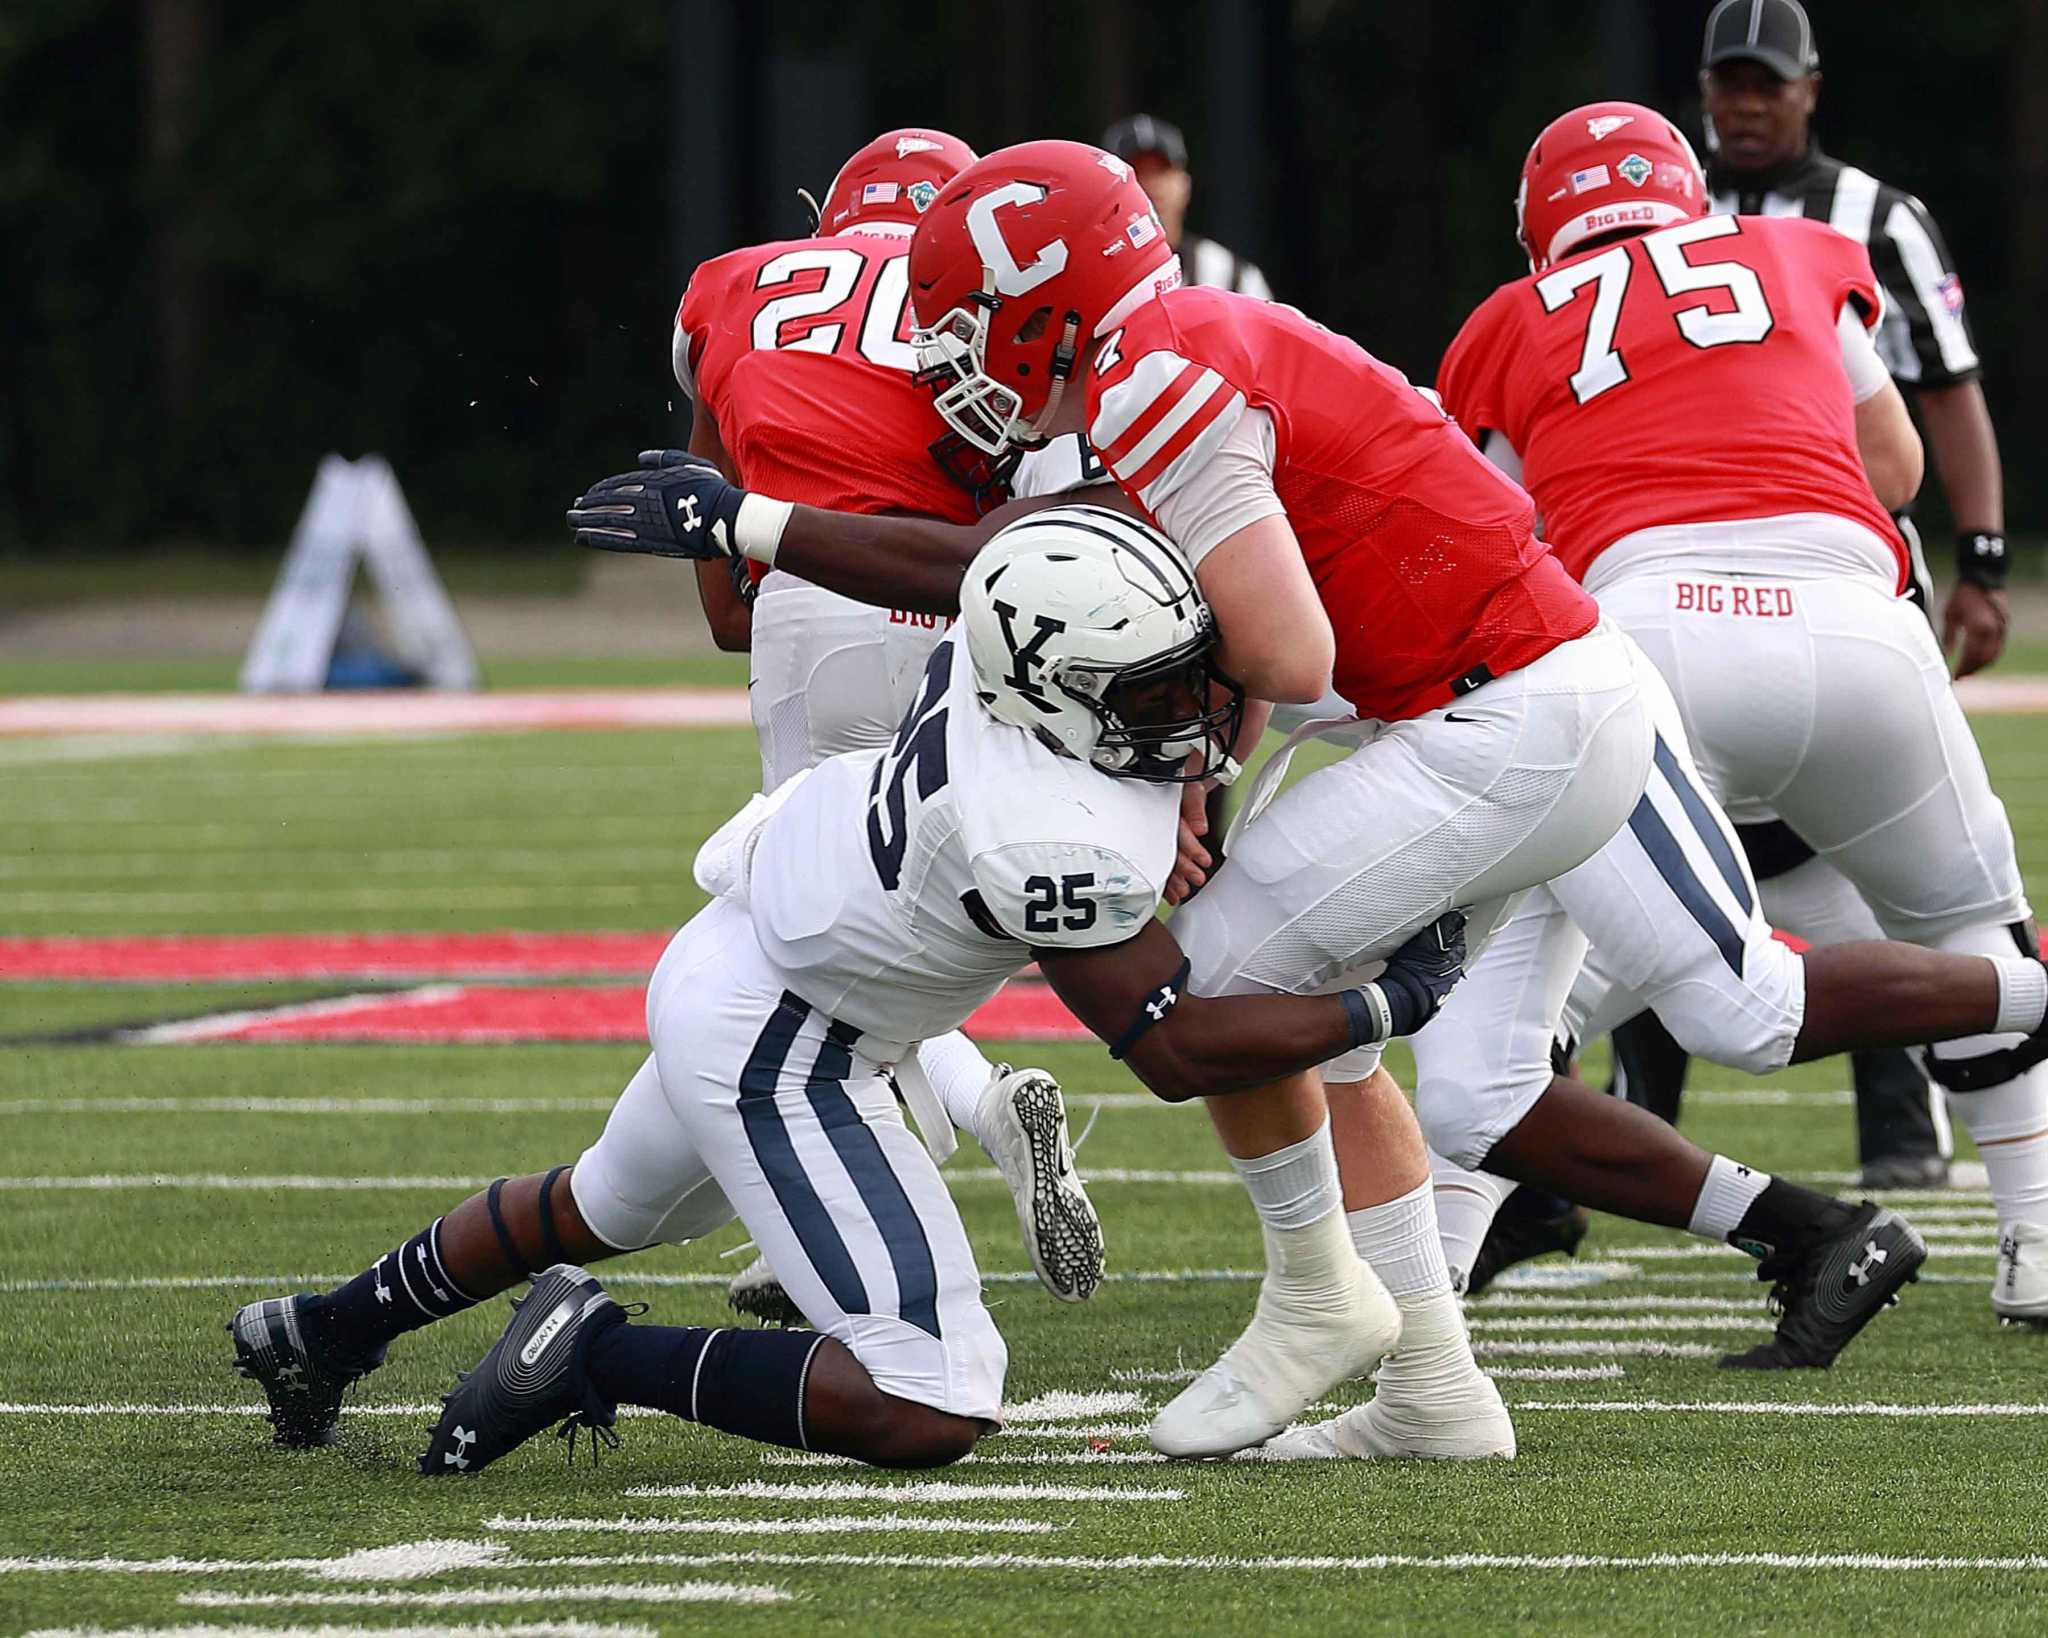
(688, 507)
(674, 505)
(459, 1456)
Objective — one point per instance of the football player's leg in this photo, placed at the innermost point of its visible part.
(1911, 819)
(805, 1137)
(820, 678)
(1432, 1400)
(1902, 1127)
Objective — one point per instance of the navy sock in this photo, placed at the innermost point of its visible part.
(746, 1382)
(400, 1292)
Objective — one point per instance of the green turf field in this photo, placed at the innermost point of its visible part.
(1652, 1493)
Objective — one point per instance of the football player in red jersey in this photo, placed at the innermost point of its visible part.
(1339, 521)
(1761, 556)
(797, 360)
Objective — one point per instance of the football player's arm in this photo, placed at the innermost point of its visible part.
(728, 614)
(1977, 615)
(1893, 459)
(1133, 995)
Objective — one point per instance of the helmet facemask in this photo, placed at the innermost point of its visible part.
(1171, 720)
(983, 412)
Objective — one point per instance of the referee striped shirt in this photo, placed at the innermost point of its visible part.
(1925, 338)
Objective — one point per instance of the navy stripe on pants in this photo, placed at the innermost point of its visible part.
(1669, 858)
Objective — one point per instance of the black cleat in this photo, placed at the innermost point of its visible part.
(1905, 1172)
(1514, 1238)
(303, 1384)
(531, 1379)
(1828, 1292)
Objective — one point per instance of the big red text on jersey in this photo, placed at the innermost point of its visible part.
(1423, 554)
(801, 351)
(1690, 375)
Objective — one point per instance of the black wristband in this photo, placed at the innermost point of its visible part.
(1981, 559)
(1369, 1026)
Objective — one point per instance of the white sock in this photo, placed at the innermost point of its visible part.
(1465, 1205)
(2022, 994)
(1401, 1242)
(1295, 1186)
(959, 1074)
(1725, 1197)
(2010, 1126)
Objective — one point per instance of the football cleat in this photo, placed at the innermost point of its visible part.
(1022, 1123)
(303, 1384)
(1905, 1172)
(1470, 1424)
(531, 1379)
(756, 1292)
(1514, 1238)
(1827, 1292)
(2019, 1290)
(1285, 1360)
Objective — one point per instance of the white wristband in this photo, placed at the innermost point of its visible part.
(757, 527)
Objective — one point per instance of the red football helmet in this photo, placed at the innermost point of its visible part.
(1026, 255)
(1605, 168)
(893, 179)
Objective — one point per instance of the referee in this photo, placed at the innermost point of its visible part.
(1158, 153)
(1760, 76)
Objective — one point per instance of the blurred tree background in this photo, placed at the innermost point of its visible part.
(238, 235)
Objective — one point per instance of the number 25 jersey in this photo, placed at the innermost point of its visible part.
(1690, 375)
(897, 889)
(801, 350)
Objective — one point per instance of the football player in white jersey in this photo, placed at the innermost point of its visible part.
(1028, 807)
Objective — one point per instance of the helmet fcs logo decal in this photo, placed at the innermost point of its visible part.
(921, 195)
(1011, 279)
(1607, 124)
(1634, 170)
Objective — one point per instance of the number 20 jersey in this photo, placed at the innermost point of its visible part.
(801, 350)
(1691, 375)
(898, 888)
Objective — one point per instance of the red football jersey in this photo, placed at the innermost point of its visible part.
(1423, 553)
(802, 352)
(1691, 375)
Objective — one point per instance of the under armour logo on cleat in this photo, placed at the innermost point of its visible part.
(688, 507)
(383, 1290)
(459, 1456)
(290, 1374)
(1873, 1255)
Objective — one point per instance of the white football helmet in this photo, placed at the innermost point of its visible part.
(1086, 628)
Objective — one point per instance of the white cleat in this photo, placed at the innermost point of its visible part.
(2019, 1290)
(756, 1291)
(1287, 1358)
(1022, 1123)
(1473, 1426)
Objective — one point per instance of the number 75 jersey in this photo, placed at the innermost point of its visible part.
(1690, 375)
(897, 889)
(801, 350)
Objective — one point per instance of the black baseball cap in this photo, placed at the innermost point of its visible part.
(1142, 134)
(1775, 33)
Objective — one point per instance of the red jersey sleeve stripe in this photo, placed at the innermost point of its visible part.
(1134, 406)
(1206, 425)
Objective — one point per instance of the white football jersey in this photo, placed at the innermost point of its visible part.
(1067, 463)
(898, 888)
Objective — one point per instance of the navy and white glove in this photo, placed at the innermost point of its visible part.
(1419, 979)
(674, 504)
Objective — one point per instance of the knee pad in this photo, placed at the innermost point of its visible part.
(1462, 1119)
(1998, 941)
(1751, 1024)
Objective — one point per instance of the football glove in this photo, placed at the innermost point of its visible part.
(674, 504)
(1419, 977)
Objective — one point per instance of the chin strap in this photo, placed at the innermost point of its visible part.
(817, 210)
(1062, 371)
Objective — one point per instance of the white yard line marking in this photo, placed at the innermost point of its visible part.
(101, 1181)
(924, 1490)
(1043, 1458)
(460, 1629)
(1777, 1407)
(617, 1281)
(1623, 1322)
(216, 1024)
(304, 1106)
(1518, 1303)
(621, 1592)
(833, 1524)
(1064, 1406)
(1536, 1348)
(1555, 1373)
(1707, 1248)
(1384, 1561)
